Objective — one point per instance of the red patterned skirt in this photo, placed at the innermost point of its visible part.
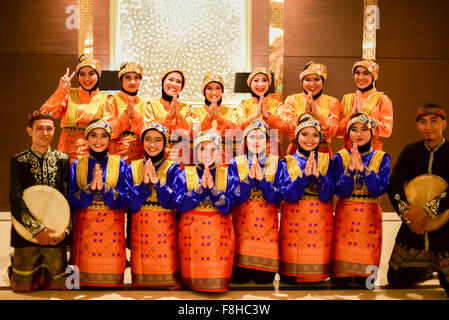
(306, 240)
(206, 250)
(154, 248)
(73, 142)
(256, 236)
(357, 238)
(99, 248)
(129, 149)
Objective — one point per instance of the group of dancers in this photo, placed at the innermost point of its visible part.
(204, 215)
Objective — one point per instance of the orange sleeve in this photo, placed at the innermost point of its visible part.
(384, 117)
(277, 121)
(137, 124)
(290, 117)
(331, 124)
(243, 119)
(148, 114)
(57, 103)
(118, 122)
(227, 125)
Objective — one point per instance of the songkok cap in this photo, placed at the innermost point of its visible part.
(364, 119)
(370, 65)
(128, 67)
(101, 123)
(88, 61)
(314, 68)
(256, 71)
(38, 115)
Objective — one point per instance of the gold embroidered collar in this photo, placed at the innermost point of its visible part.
(40, 155)
(436, 147)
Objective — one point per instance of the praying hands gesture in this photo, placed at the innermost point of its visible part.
(97, 179)
(174, 107)
(64, 82)
(255, 172)
(214, 110)
(355, 162)
(130, 107)
(149, 173)
(357, 106)
(206, 180)
(311, 166)
(311, 106)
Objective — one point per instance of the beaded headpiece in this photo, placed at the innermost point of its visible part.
(127, 67)
(314, 68)
(103, 124)
(256, 71)
(154, 125)
(364, 119)
(204, 136)
(88, 61)
(212, 77)
(370, 65)
(257, 124)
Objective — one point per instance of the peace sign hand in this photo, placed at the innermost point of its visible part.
(64, 82)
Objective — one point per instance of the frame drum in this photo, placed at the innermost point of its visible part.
(47, 205)
(421, 190)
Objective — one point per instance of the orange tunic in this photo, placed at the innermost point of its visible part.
(125, 140)
(329, 109)
(275, 120)
(158, 110)
(378, 106)
(77, 108)
(225, 125)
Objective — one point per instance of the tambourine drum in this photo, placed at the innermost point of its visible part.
(47, 205)
(421, 190)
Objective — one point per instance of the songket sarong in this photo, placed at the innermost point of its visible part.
(306, 240)
(206, 250)
(99, 248)
(357, 240)
(257, 236)
(154, 247)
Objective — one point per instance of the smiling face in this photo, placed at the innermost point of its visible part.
(309, 138)
(41, 134)
(87, 77)
(431, 128)
(153, 143)
(312, 83)
(260, 84)
(172, 84)
(362, 77)
(213, 92)
(98, 139)
(360, 134)
(256, 141)
(207, 153)
(131, 81)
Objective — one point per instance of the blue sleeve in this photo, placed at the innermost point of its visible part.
(167, 193)
(344, 181)
(272, 192)
(188, 200)
(377, 184)
(78, 198)
(115, 198)
(241, 189)
(135, 194)
(326, 184)
(292, 191)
